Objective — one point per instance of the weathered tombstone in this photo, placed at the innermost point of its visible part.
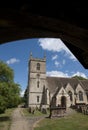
(57, 111)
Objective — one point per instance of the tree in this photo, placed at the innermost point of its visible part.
(25, 97)
(79, 77)
(2, 104)
(13, 95)
(6, 73)
(9, 90)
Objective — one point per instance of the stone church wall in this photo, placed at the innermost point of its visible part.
(39, 94)
(78, 89)
(70, 89)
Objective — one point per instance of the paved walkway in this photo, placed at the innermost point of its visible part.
(20, 122)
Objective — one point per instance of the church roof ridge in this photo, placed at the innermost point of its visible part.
(53, 82)
(84, 84)
(56, 77)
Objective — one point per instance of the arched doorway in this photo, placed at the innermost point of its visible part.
(63, 101)
(53, 103)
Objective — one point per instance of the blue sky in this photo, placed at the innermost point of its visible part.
(59, 60)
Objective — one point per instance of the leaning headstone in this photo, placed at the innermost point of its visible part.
(44, 111)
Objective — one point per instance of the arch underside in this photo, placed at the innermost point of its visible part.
(29, 20)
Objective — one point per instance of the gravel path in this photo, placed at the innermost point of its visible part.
(20, 122)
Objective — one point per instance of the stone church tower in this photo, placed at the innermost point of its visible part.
(44, 91)
(37, 92)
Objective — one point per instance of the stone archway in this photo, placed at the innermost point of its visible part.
(63, 101)
(53, 103)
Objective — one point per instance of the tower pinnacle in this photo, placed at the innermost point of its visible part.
(30, 55)
(44, 55)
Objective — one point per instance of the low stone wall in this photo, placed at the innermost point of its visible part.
(84, 110)
(57, 112)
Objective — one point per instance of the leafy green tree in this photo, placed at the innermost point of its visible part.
(6, 73)
(2, 104)
(25, 98)
(13, 95)
(9, 90)
(3, 99)
(79, 77)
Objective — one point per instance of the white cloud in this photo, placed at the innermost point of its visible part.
(62, 74)
(12, 61)
(57, 74)
(57, 63)
(72, 72)
(55, 45)
(72, 57)
(79, 74)
(54, 57)
(52, 44)
(22, 93)
(67, 71)
(63, 62)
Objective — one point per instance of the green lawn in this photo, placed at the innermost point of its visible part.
(5, 119)
(36, 113)
(74, 122)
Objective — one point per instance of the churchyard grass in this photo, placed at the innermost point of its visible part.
(5, 119)
(36, 113)
(76, 121)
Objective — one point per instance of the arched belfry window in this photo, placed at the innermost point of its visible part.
(70, 94)
(80, 96)
(37, 99)
(38, 66)
(38, 84)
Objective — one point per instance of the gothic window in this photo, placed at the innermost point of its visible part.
(70, 94)
(80, 95)
(87, 97)
(37, 98)
(38, 66)
(38, 84)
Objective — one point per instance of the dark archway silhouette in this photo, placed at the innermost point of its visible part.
(63, 101)
(30, 19)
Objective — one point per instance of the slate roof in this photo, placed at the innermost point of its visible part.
(55, 83)
(85, 84)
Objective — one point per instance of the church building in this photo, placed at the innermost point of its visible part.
(44, 91)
